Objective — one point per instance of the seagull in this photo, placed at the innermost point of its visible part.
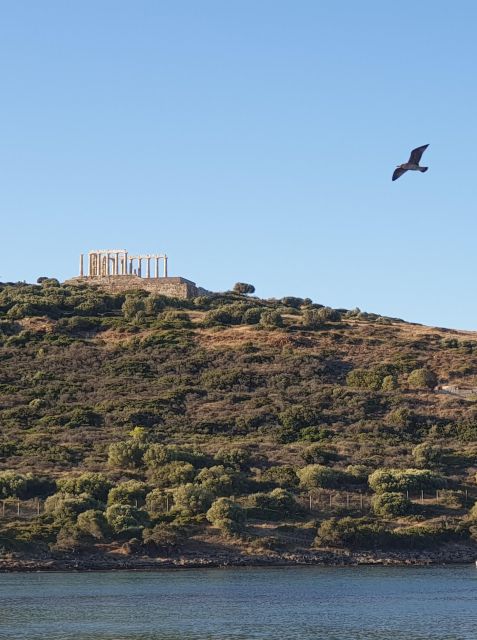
(412, 164)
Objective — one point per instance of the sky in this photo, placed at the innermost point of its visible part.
(250, 140)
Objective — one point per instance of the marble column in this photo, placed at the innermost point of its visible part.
(156, 270)
(81, 265)
(148, 271)
(165, 266)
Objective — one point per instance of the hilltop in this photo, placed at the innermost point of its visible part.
(133, 423)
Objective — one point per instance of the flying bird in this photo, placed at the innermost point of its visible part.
(412, 164)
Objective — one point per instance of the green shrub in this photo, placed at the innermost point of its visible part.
(427, 455)
(226, 515)
(164, 537)
(131, 492)
(422, 379)
(317, 476)
(271, 319)
(320, 454)
(94, 484)
(126, 454)
(12, 484)
(284, 476)
(93, 523)
(173, 474)
(158, 502)
(395, 480)
(192, 499)
(352, 532)
(391, 504)
(219, 480)
(126, 519)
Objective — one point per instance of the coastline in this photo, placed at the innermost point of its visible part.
(452, 554)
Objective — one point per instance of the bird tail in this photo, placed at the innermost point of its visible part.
(423, 169)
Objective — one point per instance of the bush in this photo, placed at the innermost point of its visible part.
(126, 519)
(93, 523)
(271, 319)
(12, 484)
(234, 456)
(277, 504)
(243, 288)
(126, 455)
(94, 484)
(352, 532)
(358, 473)
(395, 480)
(252, 315)
(192, 499)
(65, 508)
(422, 379)
(391, 504)
(226, 515)
(163, 537)
(317, 476)
(173, 474)
(157, 502)
(131, 492)
(284, 476)
(318, 453)
(219, 480)
(312, 319)
(427, 455)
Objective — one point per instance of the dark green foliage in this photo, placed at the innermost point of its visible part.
(283, 476)
(243, 288)
(391, 504)
(226, 515)
(390, 480)
(422, 379)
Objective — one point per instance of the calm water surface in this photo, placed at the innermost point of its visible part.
(370, 603)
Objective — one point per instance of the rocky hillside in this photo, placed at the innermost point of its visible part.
(254, 424)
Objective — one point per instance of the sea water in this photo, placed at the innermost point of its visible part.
(319, 603)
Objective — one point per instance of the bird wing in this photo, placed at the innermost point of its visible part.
(416, 154)
(398, 173)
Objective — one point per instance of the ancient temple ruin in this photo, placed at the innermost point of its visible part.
(118, 262)
(117, 270)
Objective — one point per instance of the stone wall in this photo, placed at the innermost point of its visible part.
(175, 287)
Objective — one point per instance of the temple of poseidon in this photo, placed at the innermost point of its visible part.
(116, 270)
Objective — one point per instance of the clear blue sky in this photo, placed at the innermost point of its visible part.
(251, 140)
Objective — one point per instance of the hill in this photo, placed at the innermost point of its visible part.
(229, 425)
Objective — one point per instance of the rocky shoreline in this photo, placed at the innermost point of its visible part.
(452, 554)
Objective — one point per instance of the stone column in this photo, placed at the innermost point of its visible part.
(116, 265)
(81, 265)
(165, 266)
(139, 266)
(108, 258)
(156, 271)
(148, 271)
(130, 266)
(125, 263)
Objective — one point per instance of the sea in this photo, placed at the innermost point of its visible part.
(299, 603)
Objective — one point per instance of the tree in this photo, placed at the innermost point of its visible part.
(93, 523)
(173, 474)
(12, 484)
(271, 319)
(227, 516)
(395, 480)
(126, 455)
(219, 480)
(131, 492)
(427, 455)
(422, 379)
(243, 288)
(157, 502)
(284, 476)
(317, 476)
(94, 484)
(192, 499)
(391, 504)
(123, 518)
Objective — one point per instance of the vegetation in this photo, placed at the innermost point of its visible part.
(159, 423)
